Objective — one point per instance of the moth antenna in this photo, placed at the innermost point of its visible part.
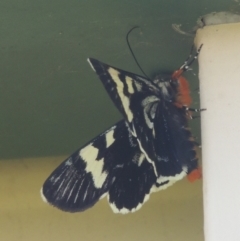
(190, 59)
(132, 53)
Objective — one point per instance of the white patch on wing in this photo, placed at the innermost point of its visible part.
(66, 187)
(162, 159)
(79, 187)
(124, 99)
(141, 159)
(147, 120)
(72, 189)
(109, 138)
(171, 180)
(164, 88)
(103, 196)
(149, 99)
(86, 192)
(153, 110)
(129, 82)
(133, 130)
(93, 166)
(148, 158)
(130, 136)
(89, 61)
(62, 184)
(149, 105)
(42, 196)
(125, 210)
(138, 86)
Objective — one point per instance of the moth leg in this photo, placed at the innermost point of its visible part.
(199, 145)
(194, 110)
(189, 110)
(195, 117)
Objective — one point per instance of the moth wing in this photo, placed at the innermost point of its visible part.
(136, 98)
(175, 146)
(82, 179)
(111, 164)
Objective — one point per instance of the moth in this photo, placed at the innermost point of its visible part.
(147, 151)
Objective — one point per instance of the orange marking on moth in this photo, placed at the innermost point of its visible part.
(183, 98)
(194, 175)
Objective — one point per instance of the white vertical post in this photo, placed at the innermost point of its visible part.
(219, 74)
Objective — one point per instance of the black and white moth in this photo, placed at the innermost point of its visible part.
(147, 151)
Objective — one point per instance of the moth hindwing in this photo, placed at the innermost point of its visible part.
(149, 150)
(111, 164)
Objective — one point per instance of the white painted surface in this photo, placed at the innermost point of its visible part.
(219, 63)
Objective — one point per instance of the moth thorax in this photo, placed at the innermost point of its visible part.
(168, 87)
(183, 91)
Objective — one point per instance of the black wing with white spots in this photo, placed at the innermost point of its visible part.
(111, 164)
